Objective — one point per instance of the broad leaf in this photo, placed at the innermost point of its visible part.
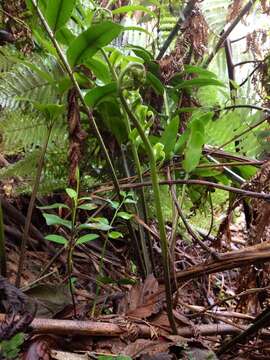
(58, 13)
(86, 238)
(57, 239)
(71, 193)
(95, 226)
(97, 94)
(91, 40)
(199, 82)
(64, 36)
(155, 83)
(99, 69)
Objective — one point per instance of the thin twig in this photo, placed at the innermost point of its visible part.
(242, 192)
(185, 14)
(227, 32)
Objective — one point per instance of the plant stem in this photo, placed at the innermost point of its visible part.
(3, 261)
(159, 212)
(146, 258)
(31, 207)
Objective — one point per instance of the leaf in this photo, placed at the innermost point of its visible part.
(64, 36)
(86, 238)
(53, 206)
(57, 239)
(71, 193)
(52, 219)
(124, 215)
(99, 68)
(87, 207)
(115, 235)
(168, 138)
(51, 111)
(199, 82)
(91, 40)
(58, 13)
(141, 52)
(190, 69)
(155, 83)
(132, 8)
(95, 226)
(96, 95)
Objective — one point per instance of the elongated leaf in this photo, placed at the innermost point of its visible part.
(95, 96)
(199, 82)
(53, 206)
(57, 239)
(91, 40)
(132, 8)
(190, 69)
(168, 138)
(95, 226)
(87, 207)
(52, 219)
(64, 36)
(58, 12)
(155, 83)
(86, 238)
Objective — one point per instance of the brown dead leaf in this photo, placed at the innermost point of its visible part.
(39, 348)
(143, 300)
(142, 346)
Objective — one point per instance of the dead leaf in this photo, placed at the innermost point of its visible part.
(143, 300)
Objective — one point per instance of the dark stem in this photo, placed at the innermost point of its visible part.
(186, 13)
(31, 207)
(3, 260)
(227, 32)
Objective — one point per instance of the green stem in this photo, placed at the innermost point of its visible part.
(31, 207)
(159, 212)
(3, 261)
(136, 159)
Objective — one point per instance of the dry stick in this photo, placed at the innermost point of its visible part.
(261, 321)
(3, 260)
(108, 329)
(242, 192)
(31, 207)
(186, 13)
(87, 110)
(227, 32)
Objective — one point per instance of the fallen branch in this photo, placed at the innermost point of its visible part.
(259, 253)
(93, 328)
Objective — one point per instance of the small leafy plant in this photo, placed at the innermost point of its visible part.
(76, 233)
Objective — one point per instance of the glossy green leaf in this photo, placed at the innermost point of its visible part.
(57, 239)
(115, 235)
(168, 138)
(58, 12)
(91, 40)
(71, 193)
(124, 215)
(141, 52)
(99, 93)
(86, 238)
(52, 219)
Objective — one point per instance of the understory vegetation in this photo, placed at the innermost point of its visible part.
(134, 179)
